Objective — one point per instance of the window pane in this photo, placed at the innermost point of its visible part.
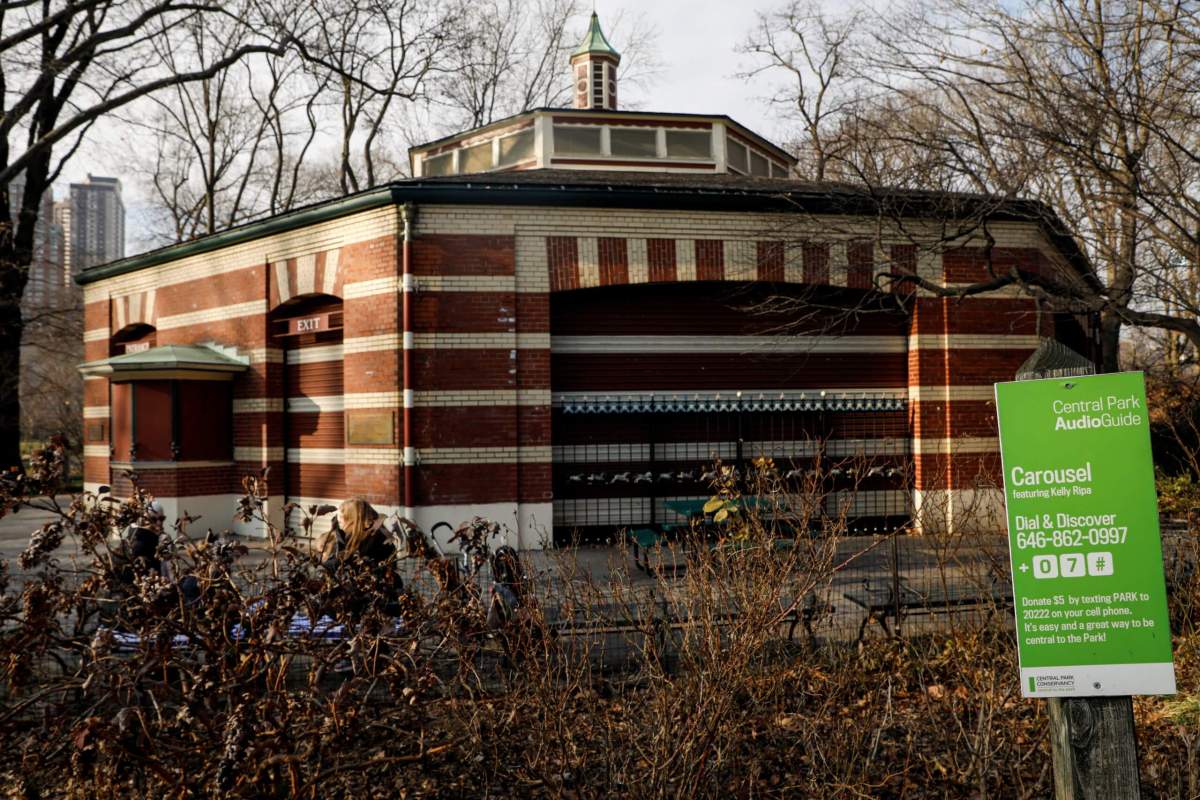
(518, 147)
(573, 139)
(633, 142)
(778, 171)
(439, 165)
(759, 165)
(475, 159)
(689, 144)
(737, 156)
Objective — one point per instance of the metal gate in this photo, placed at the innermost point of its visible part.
(617, 462)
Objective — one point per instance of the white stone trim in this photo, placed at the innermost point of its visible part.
(96, 412)
(314, 355)
(256, 405)
(728, 344)
(958, 445)
(248, 309)
(485, 455)
(467, 283)
(482, 397)
(938, 394)
(96, 335)
(371, 344)
(258, 454)
(973, 341)
(316, 404)
(96, 451)
(377, 286)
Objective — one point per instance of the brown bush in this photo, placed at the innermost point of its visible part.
(687, 688)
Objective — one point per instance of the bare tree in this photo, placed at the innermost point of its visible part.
(814, 52)
(63, 66)
(380, 56)
(1088, 107)
(234, 147)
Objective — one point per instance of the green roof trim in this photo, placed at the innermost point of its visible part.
(594, 41)
(174, 357)
(557, 188)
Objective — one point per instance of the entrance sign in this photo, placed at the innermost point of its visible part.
(1088, 590)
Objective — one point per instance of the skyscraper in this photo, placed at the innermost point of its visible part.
(49, 285)
(96, 224)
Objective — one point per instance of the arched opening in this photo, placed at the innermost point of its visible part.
(309, 329)
(132, 339)
(650, 383)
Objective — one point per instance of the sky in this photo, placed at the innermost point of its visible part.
(697, 43)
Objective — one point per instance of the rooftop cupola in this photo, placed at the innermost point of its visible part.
(595, 65)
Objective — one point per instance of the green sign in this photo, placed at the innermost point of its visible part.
(1088, 590)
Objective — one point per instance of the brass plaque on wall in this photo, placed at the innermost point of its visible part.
(370, 427)
(96, 431)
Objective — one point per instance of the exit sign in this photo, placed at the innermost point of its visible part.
(313, 324)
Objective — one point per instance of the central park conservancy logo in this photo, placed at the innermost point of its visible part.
(1102, 412)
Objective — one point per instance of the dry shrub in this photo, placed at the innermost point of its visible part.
(683, 686)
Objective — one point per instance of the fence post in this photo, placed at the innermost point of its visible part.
(1094, 748)
(896, 578)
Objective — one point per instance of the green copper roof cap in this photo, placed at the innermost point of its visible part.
(594, 41)
(175, 357)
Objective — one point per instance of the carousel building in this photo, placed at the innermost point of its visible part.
(560, 323)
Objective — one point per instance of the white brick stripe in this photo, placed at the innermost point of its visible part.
(265, 355)
(95, 451)
(793, 262)
(281, 281)
(973, 341)
(478, 341)
(482, 397)
(943, 393)
(741, 260)
(371, 344)
(353, 291)
(964, 445)
(371, 400)
(258, 454)
(95, 412)
(589, 262)
(96, 335)
(484, 455)
(316, 404)
(685, 259)
(314, 355)
(253, 405)
(147, 466)
(728, 344)
(250, 309)
(639, 260)
(469, 283)
(306, 273)
(329, 276)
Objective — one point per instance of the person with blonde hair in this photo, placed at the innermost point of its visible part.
(356, 530)
(358, 538)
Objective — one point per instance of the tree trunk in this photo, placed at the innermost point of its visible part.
(1110, 342)
(12, 285)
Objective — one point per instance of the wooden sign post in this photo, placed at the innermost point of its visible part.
(1094, 748)
(1089, 595)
